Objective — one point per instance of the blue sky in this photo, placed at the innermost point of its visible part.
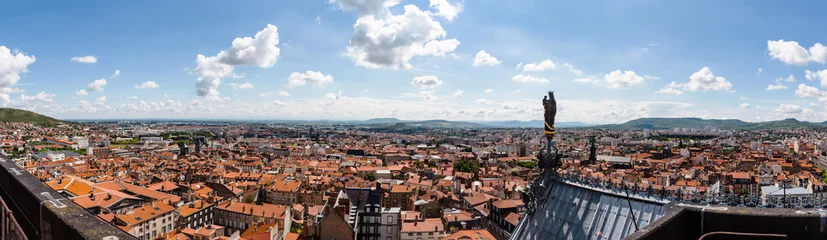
(358, 59)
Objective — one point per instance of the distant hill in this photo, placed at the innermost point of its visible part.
(669, 123)
(532, 124)
(18, 115)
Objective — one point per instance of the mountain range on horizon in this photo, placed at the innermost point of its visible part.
(18, 115)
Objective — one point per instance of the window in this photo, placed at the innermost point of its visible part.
(390, 219)
(390, 229)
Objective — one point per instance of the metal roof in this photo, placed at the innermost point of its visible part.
(575, 212)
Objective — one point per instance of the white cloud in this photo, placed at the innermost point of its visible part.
(132, 97)
(703, 80)
(671, 88)
(238, 76)
(85, 59)
(483, 58)
(539, 67)
(481, 101)
(789, 108)
(808, 91)
(622, 80)
(260, 50)
(488, 90)
(813, 105)
(458, 93)
(445, 9)
(649, 77)
(790, 52)
(790, 79)
(284, 94)
(519, 65)
(817, 76)
(426, 82)
(116, 74)
(528, 79)
(12, 64)
(81, 92)
(100, 101)
(317, 79)
(743, 106)
(381, 39)
(572, 70)
(246, 85)
(147, 85)
(40, 97)
(97, 85)
(777, 86)
(319, 20)
(279, 103)
(759, 72)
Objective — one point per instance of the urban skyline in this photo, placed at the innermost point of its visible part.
(414, 60)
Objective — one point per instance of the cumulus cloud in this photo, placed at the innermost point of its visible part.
(817, 76)
(808, 91)
(426, 82)
(284, 94)
(759, 72)
(622, 79)
(702, 80)
(528, 79)
(381, 39)
(790, 79)
(539, 67)
(744, 106)
(789, 108)
(147, 85)
(573, 70)
(790, 52)
(671, 88)
(97, 85)
(246, 85)
(12, 64)
(458, 93)
(317, 79)
(488, 90)
(260, 50)
(81, 92)
(445, 9)
(483, 58)
(116, 74)
(279, 103)
(481, 101)
(100, 101)
(40, 97)
(85, 59)
(777, 86)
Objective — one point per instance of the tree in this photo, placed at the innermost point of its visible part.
(296, 228)
(744, 192)
(249, 199)
(466, 166)
(432, 163)
(371, 177)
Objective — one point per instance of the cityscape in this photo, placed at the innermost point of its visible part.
(413, 120)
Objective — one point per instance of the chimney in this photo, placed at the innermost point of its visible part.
(92, 196)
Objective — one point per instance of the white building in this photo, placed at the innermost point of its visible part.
(82, 142)
(55, 156)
